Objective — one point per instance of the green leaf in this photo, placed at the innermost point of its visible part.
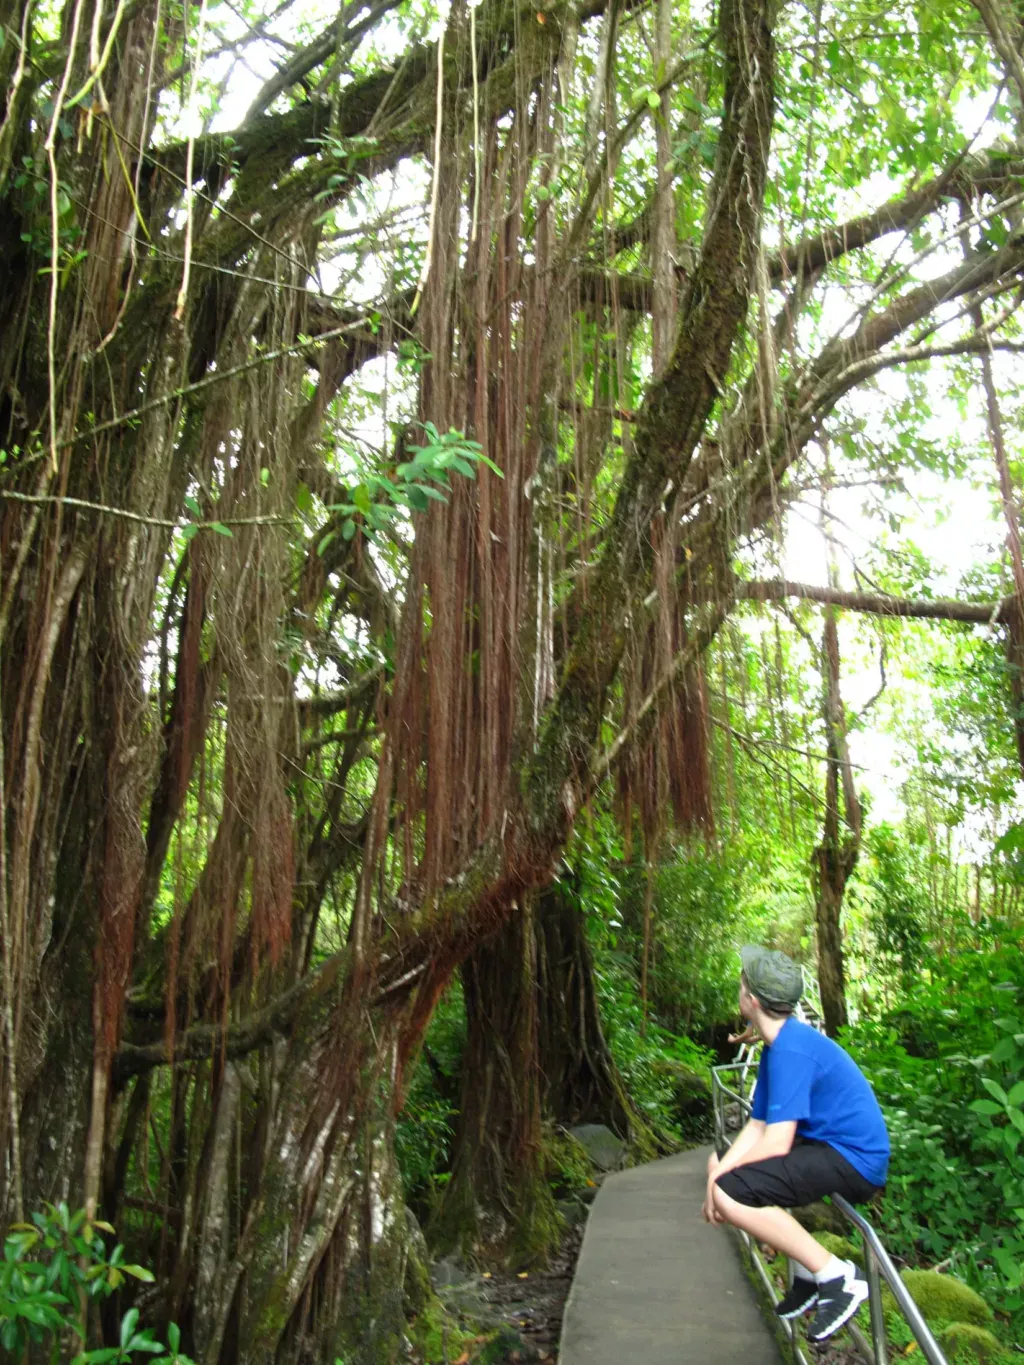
(139, 1272)
(128, 1323)
(986, 1107)
(190, 531)
(994, 1089)
(1016, 1095)
(145, 1341)
(348, 530)
(220, 528)
(653, 99)
(193, 506)
(43, 1315)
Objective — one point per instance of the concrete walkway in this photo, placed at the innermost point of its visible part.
(655, 1285)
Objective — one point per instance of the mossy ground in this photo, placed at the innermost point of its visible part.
(843, 1247)
(438, 1336)
(968, 1345)
(942, 1299)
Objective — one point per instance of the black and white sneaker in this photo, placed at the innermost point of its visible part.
(838, 1300)
(799, 1298)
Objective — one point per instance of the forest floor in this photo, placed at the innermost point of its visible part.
(533, 1303)
(530, 1304)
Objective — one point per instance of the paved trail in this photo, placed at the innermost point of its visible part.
(655, 1285)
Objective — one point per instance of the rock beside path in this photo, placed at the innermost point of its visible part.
(605, 1150)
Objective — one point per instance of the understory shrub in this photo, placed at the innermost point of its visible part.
(54, 1270)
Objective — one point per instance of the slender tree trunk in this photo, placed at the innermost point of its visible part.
(836, 855)
(645, 959)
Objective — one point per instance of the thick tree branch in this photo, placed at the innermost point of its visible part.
(879, 604)
(991, 173)
(995, 174)
(204, 1041)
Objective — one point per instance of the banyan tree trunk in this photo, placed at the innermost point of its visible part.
(535, 1054)
(581, 1081)
(498, 1198)
(249, 1135)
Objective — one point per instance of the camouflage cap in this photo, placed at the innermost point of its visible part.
(772, 976)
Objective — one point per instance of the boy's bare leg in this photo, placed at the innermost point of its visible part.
(776, 1227)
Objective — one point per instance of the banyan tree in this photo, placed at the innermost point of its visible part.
(377, 462)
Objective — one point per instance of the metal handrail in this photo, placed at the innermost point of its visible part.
(877, 1263)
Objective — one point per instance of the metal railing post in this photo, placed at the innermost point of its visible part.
(878, 1338)
(930, 1348)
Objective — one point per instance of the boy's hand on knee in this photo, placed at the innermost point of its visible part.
(709, 1210)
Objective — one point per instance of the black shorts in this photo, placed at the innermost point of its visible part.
(808, 1171)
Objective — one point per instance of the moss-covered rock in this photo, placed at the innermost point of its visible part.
(821, 1217)
(841, 1247)
(942, 1298)
(437, 1335)
(505, 1346)
(965, 1344)
(569, 1166)
(416, 1284)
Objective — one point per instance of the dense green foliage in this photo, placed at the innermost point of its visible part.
(52, 1270)
(948, 1067)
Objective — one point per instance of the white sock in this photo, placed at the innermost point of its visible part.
(800, 1271)
(835, 1269)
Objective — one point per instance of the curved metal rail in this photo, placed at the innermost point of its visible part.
(877, 1263)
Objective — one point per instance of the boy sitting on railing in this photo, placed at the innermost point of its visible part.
(815, 1129)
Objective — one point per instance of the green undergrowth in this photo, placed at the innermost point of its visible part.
(425, 1130)
(569, 1166)
(668, 1076)
(438, 1336)
(961, 1320)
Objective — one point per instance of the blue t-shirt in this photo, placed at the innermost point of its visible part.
(807, 1077)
